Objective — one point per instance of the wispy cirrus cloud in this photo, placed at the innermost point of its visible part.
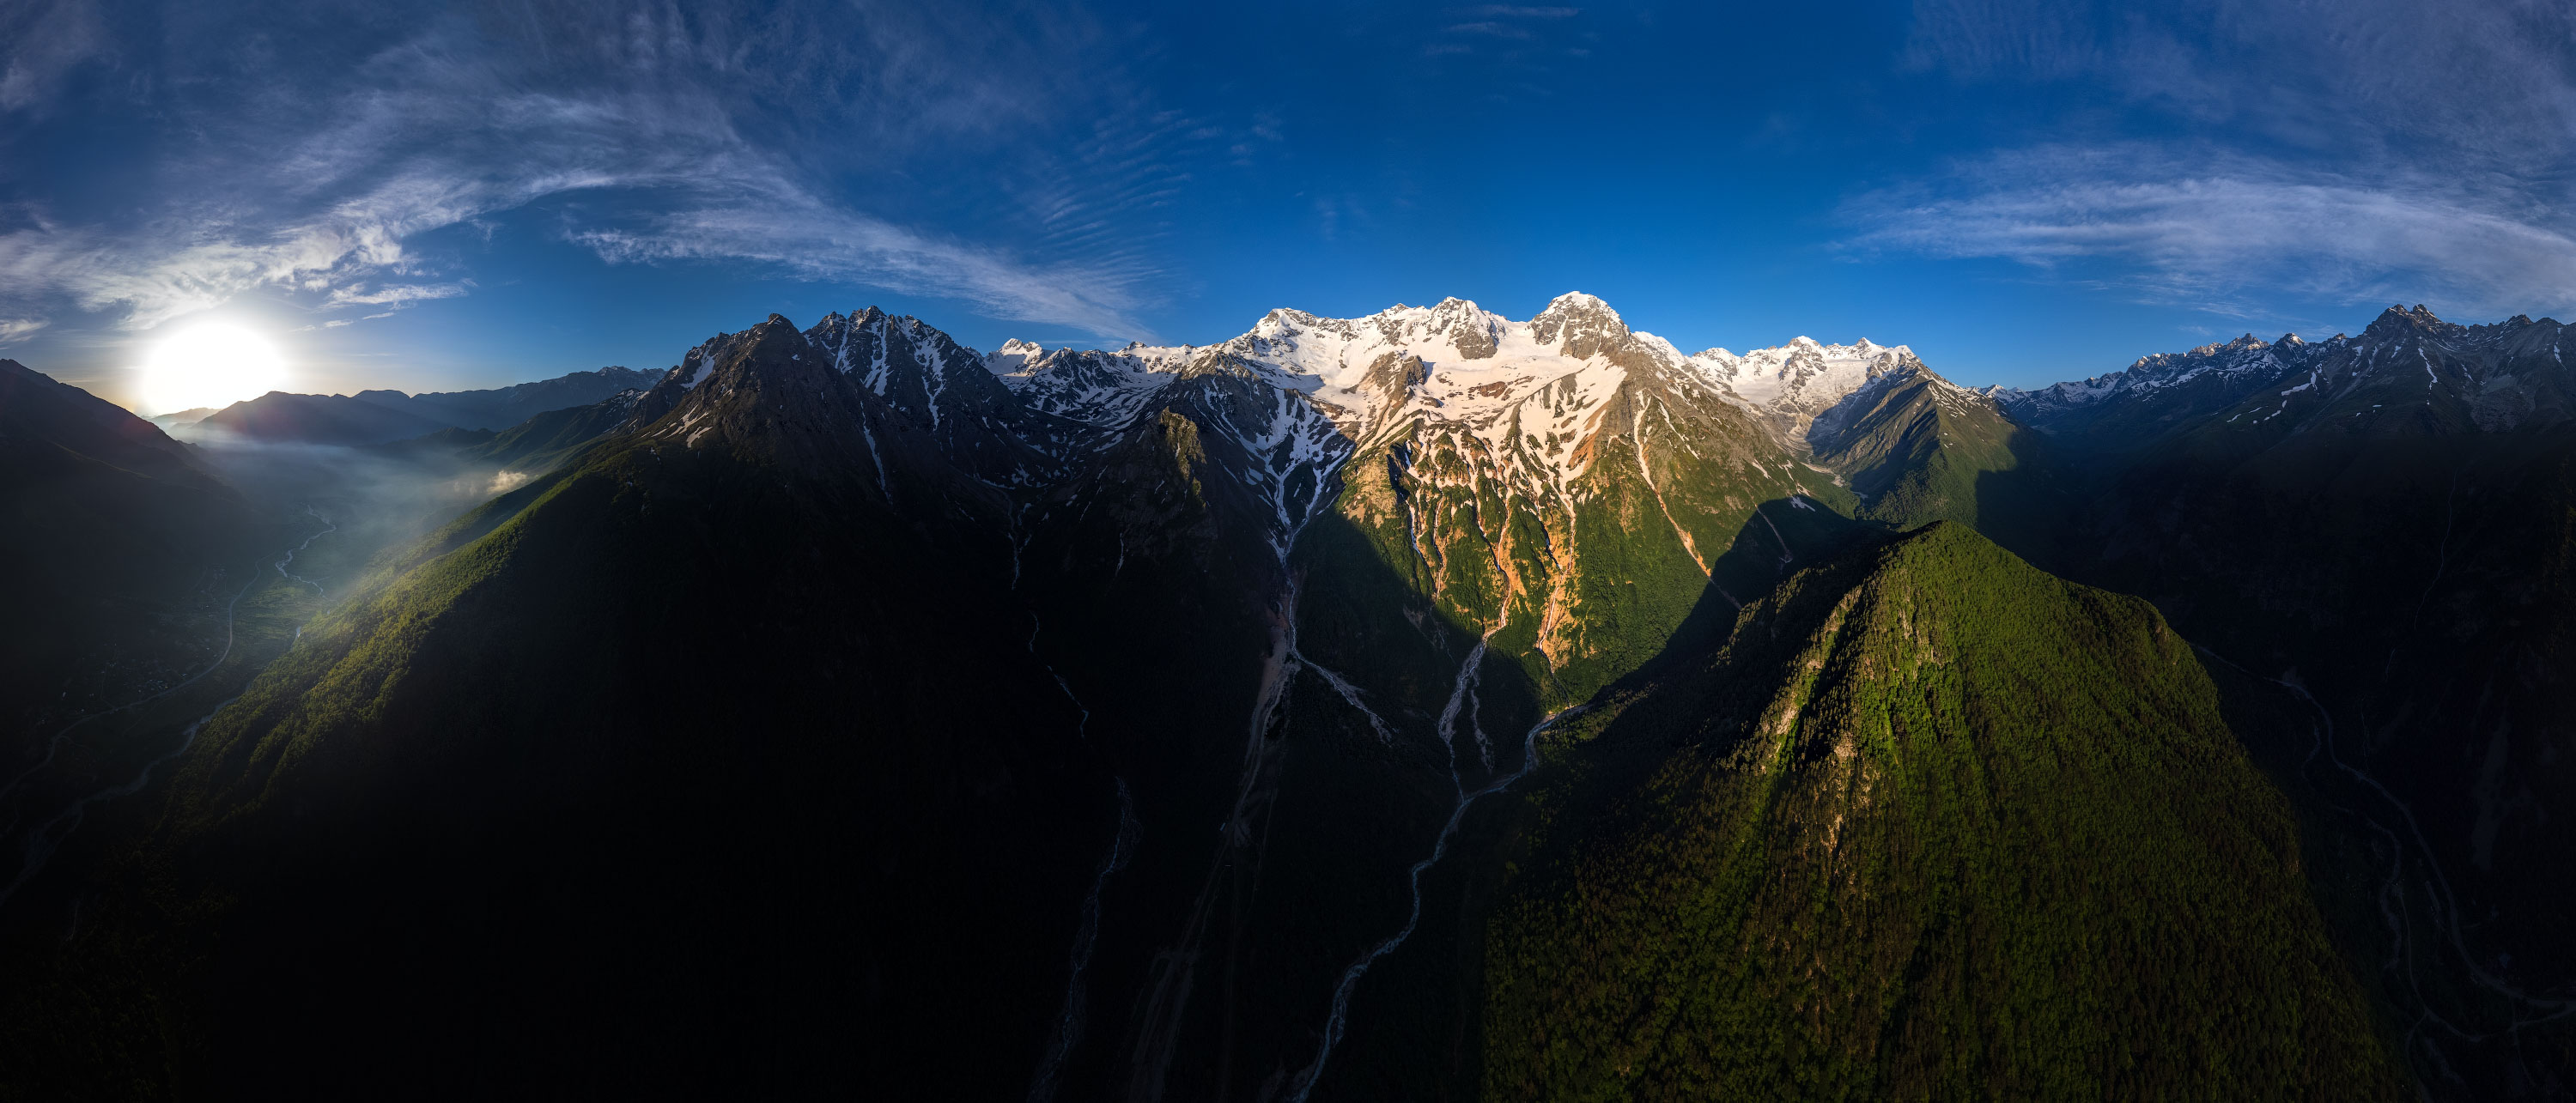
(2231, 229)
(662, 136)
(2492, 82)
(399, 295)
(1512, 34)
(1493, 29)
(804, 237)
(13, 330)
(2407, 153)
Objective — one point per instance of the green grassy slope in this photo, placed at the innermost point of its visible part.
(1933, 825)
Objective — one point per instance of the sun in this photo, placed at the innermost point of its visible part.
(210, 364)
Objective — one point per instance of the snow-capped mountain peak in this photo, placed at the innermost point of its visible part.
(1012, 356)
(1579, 325)
(1799, 380)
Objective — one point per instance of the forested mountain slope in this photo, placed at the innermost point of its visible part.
(1142, 724)
(1932, 824)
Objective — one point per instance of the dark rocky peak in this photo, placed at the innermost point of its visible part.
(2246, 352)
(915, 367)
(2396, 323)
(1579, 325)
(2506, 331)
(742, 359)
(727, 355)
(700, 362)
(872, 342)
(768, 391)
(2246, 343)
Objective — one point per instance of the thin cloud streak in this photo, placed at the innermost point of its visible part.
(1511, 11)
(397, 294)
(782, 226)
(2204, 240)
(2402, 153)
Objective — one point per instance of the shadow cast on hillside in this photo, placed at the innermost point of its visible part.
(2030, 508)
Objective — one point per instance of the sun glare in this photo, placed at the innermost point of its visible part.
(210, 364)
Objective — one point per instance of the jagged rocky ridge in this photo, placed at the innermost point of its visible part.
(1485, 445)
(1360, 553)
(2414, 369)
(1199, 653)
(1491, 553)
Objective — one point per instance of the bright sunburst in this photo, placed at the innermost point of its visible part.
(211, 364)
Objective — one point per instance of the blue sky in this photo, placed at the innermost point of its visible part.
(460, 196)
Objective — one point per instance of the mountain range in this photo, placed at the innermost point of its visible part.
(1429, 704)
(382, 416)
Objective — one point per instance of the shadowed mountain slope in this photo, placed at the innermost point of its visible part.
(115, 542)
(660, 774)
